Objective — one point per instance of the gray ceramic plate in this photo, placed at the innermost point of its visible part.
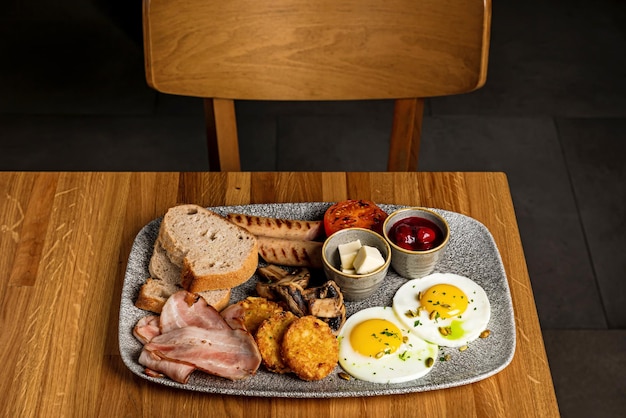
(471, 252)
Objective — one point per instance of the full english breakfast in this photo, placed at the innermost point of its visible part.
(292, 324)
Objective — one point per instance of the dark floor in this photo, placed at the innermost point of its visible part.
(552, 116)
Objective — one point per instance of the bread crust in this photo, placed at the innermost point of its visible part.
(196, 239)
(155, 292)
(166, 279)
(151, 295)
(219, 299)
(194, 282)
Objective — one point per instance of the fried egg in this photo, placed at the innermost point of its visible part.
(445, 309)
(375, 346)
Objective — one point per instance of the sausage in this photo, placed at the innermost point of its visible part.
(290, 252)
(278, 228)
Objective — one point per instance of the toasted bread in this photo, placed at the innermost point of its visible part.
(165, 280)
(213, 253)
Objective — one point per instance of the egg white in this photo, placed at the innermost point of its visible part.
(467, 326)
(407, 363)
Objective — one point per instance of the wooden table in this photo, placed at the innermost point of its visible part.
(65, 240)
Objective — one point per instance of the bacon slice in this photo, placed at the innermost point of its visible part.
(234, 315)
(190, 335)
(147, 328)
(186, 309)
(179, 372)
(228, 353)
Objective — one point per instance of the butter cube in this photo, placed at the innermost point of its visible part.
(367, 260)
(347, 254)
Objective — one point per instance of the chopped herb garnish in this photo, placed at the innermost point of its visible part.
(388, 333)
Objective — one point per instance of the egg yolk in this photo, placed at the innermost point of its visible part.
(445, 300)
(375, 338)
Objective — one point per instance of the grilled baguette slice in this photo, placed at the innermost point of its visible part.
(213, 252)
(166, 280)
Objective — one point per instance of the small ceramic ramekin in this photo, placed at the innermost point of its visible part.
(355, 287)
(413, 264)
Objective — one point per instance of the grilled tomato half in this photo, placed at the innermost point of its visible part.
(354, 214)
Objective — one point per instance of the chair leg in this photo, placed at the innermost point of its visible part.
(221, 132)
(405, 135)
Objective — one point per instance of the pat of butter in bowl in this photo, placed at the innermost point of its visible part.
(359, 259)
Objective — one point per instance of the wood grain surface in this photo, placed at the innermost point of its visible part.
(322, 50)
(64, 242)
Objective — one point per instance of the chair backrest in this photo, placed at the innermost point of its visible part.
(316, 49)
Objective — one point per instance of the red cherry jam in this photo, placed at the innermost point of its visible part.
(416, 234)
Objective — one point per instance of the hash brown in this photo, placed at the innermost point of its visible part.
(309, 348)
(257, 310)
(269, 337)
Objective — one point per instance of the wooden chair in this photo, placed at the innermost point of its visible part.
(227, 50)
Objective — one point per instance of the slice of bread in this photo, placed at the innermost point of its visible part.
(162, 267)
(166, 280)
(213, 252)
(154, 293)
(219, 298)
